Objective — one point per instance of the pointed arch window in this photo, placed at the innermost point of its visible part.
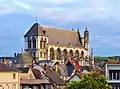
(71, 53)
(44, 43)
(82, 54)
(41, 41)
(65, 54)
(52, 54)
(58, 54)
(77, 53)
(29, 43)
(34, 42)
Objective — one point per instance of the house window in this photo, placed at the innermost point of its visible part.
(41, 43)
(44, 55)
(29, 44)
(14, 86)
(41, 54)
(48, 87)
(34, 43)
(44, 44)
(14, 76)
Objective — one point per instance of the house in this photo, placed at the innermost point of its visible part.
(54, 78)
(9, 77)
(32, 78)
(112, 73)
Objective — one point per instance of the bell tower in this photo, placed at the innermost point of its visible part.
(86, 39)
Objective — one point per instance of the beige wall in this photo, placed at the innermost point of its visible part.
(8, 82)
(86, 52)
(28, 75)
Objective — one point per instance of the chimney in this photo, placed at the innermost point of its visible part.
(72, 29)
(45, 67)
(15, 55)
(4, 61)
(32, 63)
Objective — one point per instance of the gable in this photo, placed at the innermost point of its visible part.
(30, 73)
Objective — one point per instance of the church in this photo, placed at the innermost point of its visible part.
(46, 43)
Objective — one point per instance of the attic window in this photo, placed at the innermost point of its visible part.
(69, 43)
(44, 32)
(14, 76)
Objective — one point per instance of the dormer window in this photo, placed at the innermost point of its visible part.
(69, 43)
(44, 32)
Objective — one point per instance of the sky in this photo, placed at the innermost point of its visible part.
(102, 17)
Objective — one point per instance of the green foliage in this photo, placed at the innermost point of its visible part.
(90, 81)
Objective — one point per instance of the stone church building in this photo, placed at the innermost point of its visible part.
(46, 43)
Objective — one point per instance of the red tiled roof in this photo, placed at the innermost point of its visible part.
(76, 65)
(113, 62)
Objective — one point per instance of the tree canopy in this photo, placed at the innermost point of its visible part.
(92, 80)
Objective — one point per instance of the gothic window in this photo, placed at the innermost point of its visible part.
(29, 43)
(65, 54)
(44, 44)
(52, 54)
(77, 53)
(41, 54)
(41, 41)
(34, 54)
(44, 55)
(58, 54)
(71, 53)
(82, 54)
(34, 43)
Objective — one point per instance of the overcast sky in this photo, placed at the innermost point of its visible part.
(102, 17)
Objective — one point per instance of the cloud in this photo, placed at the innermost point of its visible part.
(65, 10)
(58, 2)
(21, 5)
(5, 11)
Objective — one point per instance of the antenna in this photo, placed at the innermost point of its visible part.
(36, 17)
(22, 50)
(91, 51)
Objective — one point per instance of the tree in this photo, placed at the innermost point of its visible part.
(92, 80)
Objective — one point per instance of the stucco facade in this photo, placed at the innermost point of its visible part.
(9, 80)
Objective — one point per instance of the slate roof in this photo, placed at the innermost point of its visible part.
(65, 36)
(24, 58)
(6, 68)
(85, 68)
(63, 69)
(73, 76)
(55, 78)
